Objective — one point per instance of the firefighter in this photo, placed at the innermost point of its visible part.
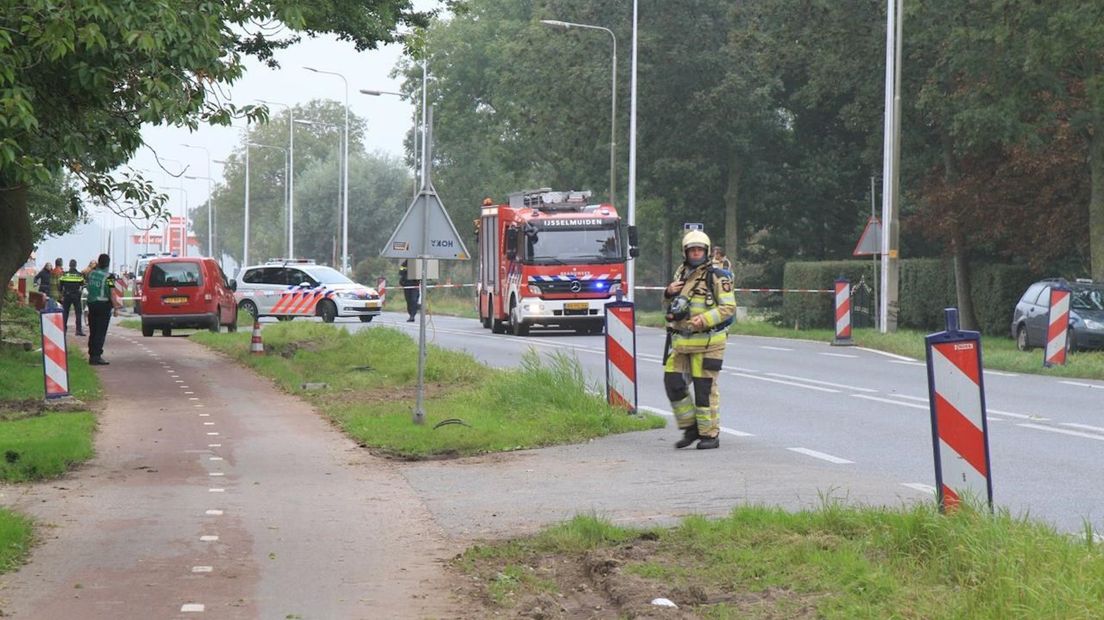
(700, 308)
(71, 284)
(410, 290)
(55, 279)
(720, 259)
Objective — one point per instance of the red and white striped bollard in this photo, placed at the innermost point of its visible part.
(960, 432)
(55, 363)
(621, 354)
(843, 313)
(1057, 342)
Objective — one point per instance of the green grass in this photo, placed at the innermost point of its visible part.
(44, 446)
(371, 377)
(446, 302)
(833, 562)
(16, 536)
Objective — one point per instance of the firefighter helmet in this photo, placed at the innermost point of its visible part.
(696, 239)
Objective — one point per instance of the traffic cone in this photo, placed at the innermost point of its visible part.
(256, 347)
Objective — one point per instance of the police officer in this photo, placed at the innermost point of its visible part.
(700, 306)
(71, 284)
(410, 290)
(100, 307)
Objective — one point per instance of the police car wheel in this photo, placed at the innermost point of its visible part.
(365, 319)
(249, 308)
(328, 311)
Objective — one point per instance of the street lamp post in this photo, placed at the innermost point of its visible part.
(613, 97)
(630, 269)
(210, 225)
(291, 176)
(245, 226)
(344, 176)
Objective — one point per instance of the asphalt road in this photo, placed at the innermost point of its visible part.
(800, 419)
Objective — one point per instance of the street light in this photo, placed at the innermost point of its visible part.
(210, 219)
(245, 226)
(344, 176)
(377, 93)
(291, 176)
(613, 98)
(630, 270)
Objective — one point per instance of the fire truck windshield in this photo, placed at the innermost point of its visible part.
(573, 245)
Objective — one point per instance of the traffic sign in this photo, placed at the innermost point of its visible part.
(870, 242)
(688, 226)
(426, 231)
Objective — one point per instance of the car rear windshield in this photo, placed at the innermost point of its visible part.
(174, 274)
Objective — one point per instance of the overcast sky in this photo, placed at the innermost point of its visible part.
(389, 119)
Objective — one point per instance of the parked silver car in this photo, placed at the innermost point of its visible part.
(1031, 316)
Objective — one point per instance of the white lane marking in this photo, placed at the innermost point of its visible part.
(214, 513)
(1086, 385)
(669, 414)
(1087, 427)
(790, 383)
(999, 373)
(197, 405)
(846, 355)
(213, 434)
(892, 402)
(193, 398)
(922, 399)
(839, 385)
(214, 445)
(214, 458)
(1022, 416)
(208, 423)
(919, 486)
(204, 415)
(770, 348)
(186, 393)
(202, 569)
(216, 490)
(820, 455)
(908, 363)
(1062, 431)
(216, 473)
(192, 607)
(901, 358)
(208, 538)
(178, 380)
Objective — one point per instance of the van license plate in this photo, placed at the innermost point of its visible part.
(176, 300)
(578, 305)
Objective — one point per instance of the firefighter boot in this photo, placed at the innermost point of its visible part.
(708, 443)
(689, 436)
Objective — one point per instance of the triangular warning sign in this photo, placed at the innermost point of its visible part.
(870, 242)
(426, 230)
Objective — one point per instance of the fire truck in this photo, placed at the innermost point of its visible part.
(548, 258)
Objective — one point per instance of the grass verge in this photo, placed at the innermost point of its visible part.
(37, 444)
(371, 376)
(834, 562)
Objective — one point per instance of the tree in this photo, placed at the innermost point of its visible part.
(78, 79)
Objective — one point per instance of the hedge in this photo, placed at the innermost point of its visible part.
(926, 288)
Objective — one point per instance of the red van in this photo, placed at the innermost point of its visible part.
(187, 292)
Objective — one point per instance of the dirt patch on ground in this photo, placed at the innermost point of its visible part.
(597, 584)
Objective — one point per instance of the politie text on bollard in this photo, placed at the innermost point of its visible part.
(960, 432)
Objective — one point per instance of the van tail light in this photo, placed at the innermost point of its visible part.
(207, 297)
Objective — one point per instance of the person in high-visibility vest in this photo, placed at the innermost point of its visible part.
(701, 305)
(71, 284)
(101, 285)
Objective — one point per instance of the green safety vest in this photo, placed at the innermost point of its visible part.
(99, 285)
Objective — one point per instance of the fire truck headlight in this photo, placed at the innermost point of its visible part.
(534, 289)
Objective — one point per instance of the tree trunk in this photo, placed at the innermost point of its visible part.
(15, 234)
(731, 198)
(959, 249)
(668, 244)
(966, 317)
(1096, 204)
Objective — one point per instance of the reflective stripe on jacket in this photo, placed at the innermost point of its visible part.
(714, 305)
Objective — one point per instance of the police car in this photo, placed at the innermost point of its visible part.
(287, 288)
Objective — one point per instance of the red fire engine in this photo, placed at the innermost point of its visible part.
(550, 259)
